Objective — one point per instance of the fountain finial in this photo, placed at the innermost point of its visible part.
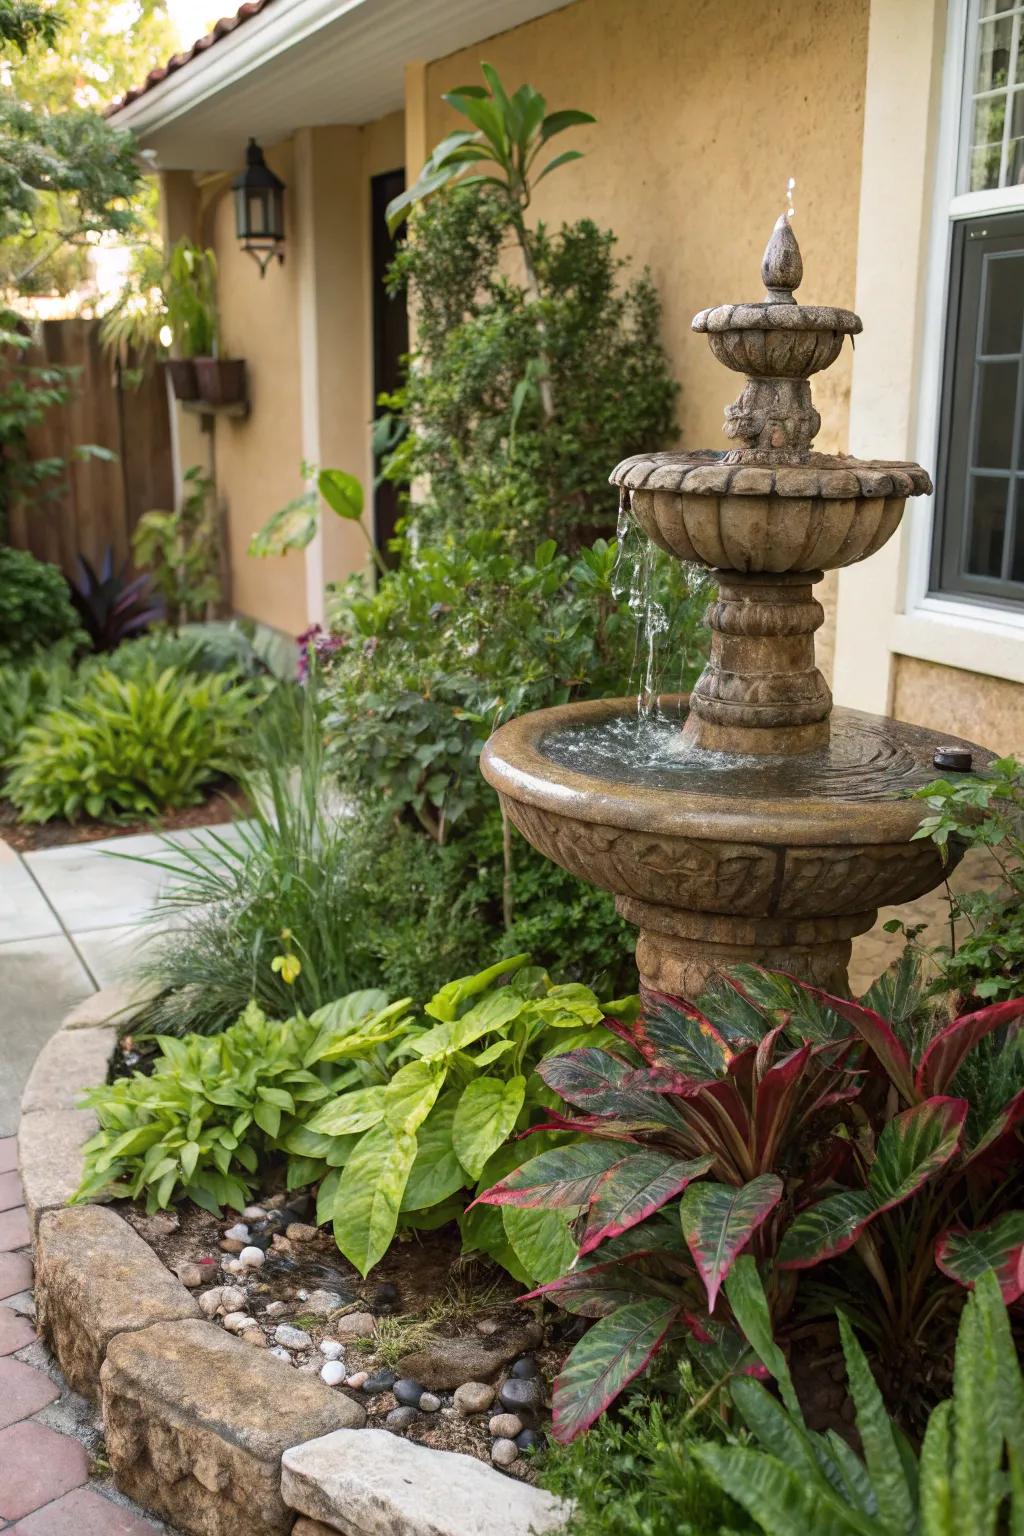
(782, 266)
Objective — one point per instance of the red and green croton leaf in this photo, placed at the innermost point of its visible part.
(963, 1255)
(600, 1084)
(720, 1219)
(673, 1034)
(879, 1037)
(561, 1177)
(911, 1149)
(608, 1357)
(947, 1051)
(634, 1189)
(596, 1289)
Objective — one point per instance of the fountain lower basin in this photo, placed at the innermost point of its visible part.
(718, 858)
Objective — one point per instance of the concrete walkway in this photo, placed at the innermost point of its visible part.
(71, 920)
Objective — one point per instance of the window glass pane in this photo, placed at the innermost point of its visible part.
(1015, 155)
(987, 522)
(1004, 303)
(985, 165)
(1017, 566)
(989, 116)
(993, 430)
(994, 42)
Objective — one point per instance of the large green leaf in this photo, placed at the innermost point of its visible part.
(342, 492)
(542, 1241)
(878, 1438)
(483, 1231)
(350, 1112)
(780, 1498)
(370, 1193)
(720, 1219)
(410, 1095)
(750, 1308)
(607, 1358)
(486, 1114)
(436, 1174)
(445, 1004)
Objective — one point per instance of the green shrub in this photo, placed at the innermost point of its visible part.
(396, 1115)
(135, 747)
(35, 606)
(968, 1480)
(30, 687)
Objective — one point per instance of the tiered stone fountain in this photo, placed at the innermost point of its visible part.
(759, 825)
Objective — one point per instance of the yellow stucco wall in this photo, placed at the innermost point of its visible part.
(953, 702)
(704, 110)
(257, 460)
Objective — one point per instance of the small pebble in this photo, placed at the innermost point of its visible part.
(487, 1325)
(518, 1393)
(232, 1299)
(256, 1336)
(190, 1275)
(279, 1244)
(300, 1232)
(505, 1426)
(504, 1453)
(276, 1308)
(331, 1349)
(531, 1440)
(238, 1233)
(357, 1379)
(401, 1418)
(209, 1301)
(322, 1303)
(429, 1403)
(282, 1354)
(333, 1372)
(380, 1381)
(291, 1338)
(231, 1245)
(407, 1392)
(254, 1213)
(525, 1368)
(473, 1397)
(255, 1258)
(354, 1325)
(237, 1322)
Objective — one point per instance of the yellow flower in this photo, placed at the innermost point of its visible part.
(288, 965)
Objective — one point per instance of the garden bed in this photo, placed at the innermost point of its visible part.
(221, 804)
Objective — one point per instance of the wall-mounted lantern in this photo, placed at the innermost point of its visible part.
(259, 209)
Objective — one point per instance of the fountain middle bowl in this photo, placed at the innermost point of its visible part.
(627, 805)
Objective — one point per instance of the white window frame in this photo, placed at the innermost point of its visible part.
(976, 636)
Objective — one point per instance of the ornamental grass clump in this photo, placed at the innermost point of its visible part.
(854, 1157)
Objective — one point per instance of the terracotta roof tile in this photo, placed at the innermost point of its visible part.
(226, 25)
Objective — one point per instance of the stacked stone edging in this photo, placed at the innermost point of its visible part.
(198, 1424)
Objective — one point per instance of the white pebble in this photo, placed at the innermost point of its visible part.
(333, 1372)
(238, 1322)
(429, 1403)
(331, 1349)
(254, 1213)
(504, 1452)
(232, 1299)
(282, 1354)
(252, 1258)
(291, 1338)
(210, 1300)
(239, 1232)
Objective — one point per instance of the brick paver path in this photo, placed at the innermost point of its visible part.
(45, 1484)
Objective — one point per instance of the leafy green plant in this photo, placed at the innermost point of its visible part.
(984, 811)
(182, 551)
(29, 688)
(798, 1127)
(967, 1481)
(35, 607)
(295, 524)
(426, 1117)
(190, 299)
(130, 747)
(206, 1118)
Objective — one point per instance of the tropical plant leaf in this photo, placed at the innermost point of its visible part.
(719, 1220)
(411, 1095)
(777, 1093)
(598, 1289)
(978, 1438)
(436, 1174)
(541, 1240)
(913, 1147)
(878, 1438)
(561, 1177)
(633, 1189)
(586, 1079)
(947, 1050)
(485, 1117)
(342, 492)
(779, 1498)
(350, 1113)
(878, 1036)
(370, 1193)
(964, 1256)
(608, 1357)
(828, 1228)
(750, 1308)
(671, 1033)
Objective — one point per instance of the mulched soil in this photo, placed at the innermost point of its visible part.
(421, 1273)
(222, 804)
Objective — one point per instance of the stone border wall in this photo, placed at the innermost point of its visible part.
(201, 1429)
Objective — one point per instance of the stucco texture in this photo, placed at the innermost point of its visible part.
(704, 110)
(987, 710)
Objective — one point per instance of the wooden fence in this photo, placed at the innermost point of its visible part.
(96, 503)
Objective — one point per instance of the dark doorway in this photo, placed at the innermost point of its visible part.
(390, 338)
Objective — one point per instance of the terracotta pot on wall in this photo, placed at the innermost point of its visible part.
(221, 380)
(183, 378)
